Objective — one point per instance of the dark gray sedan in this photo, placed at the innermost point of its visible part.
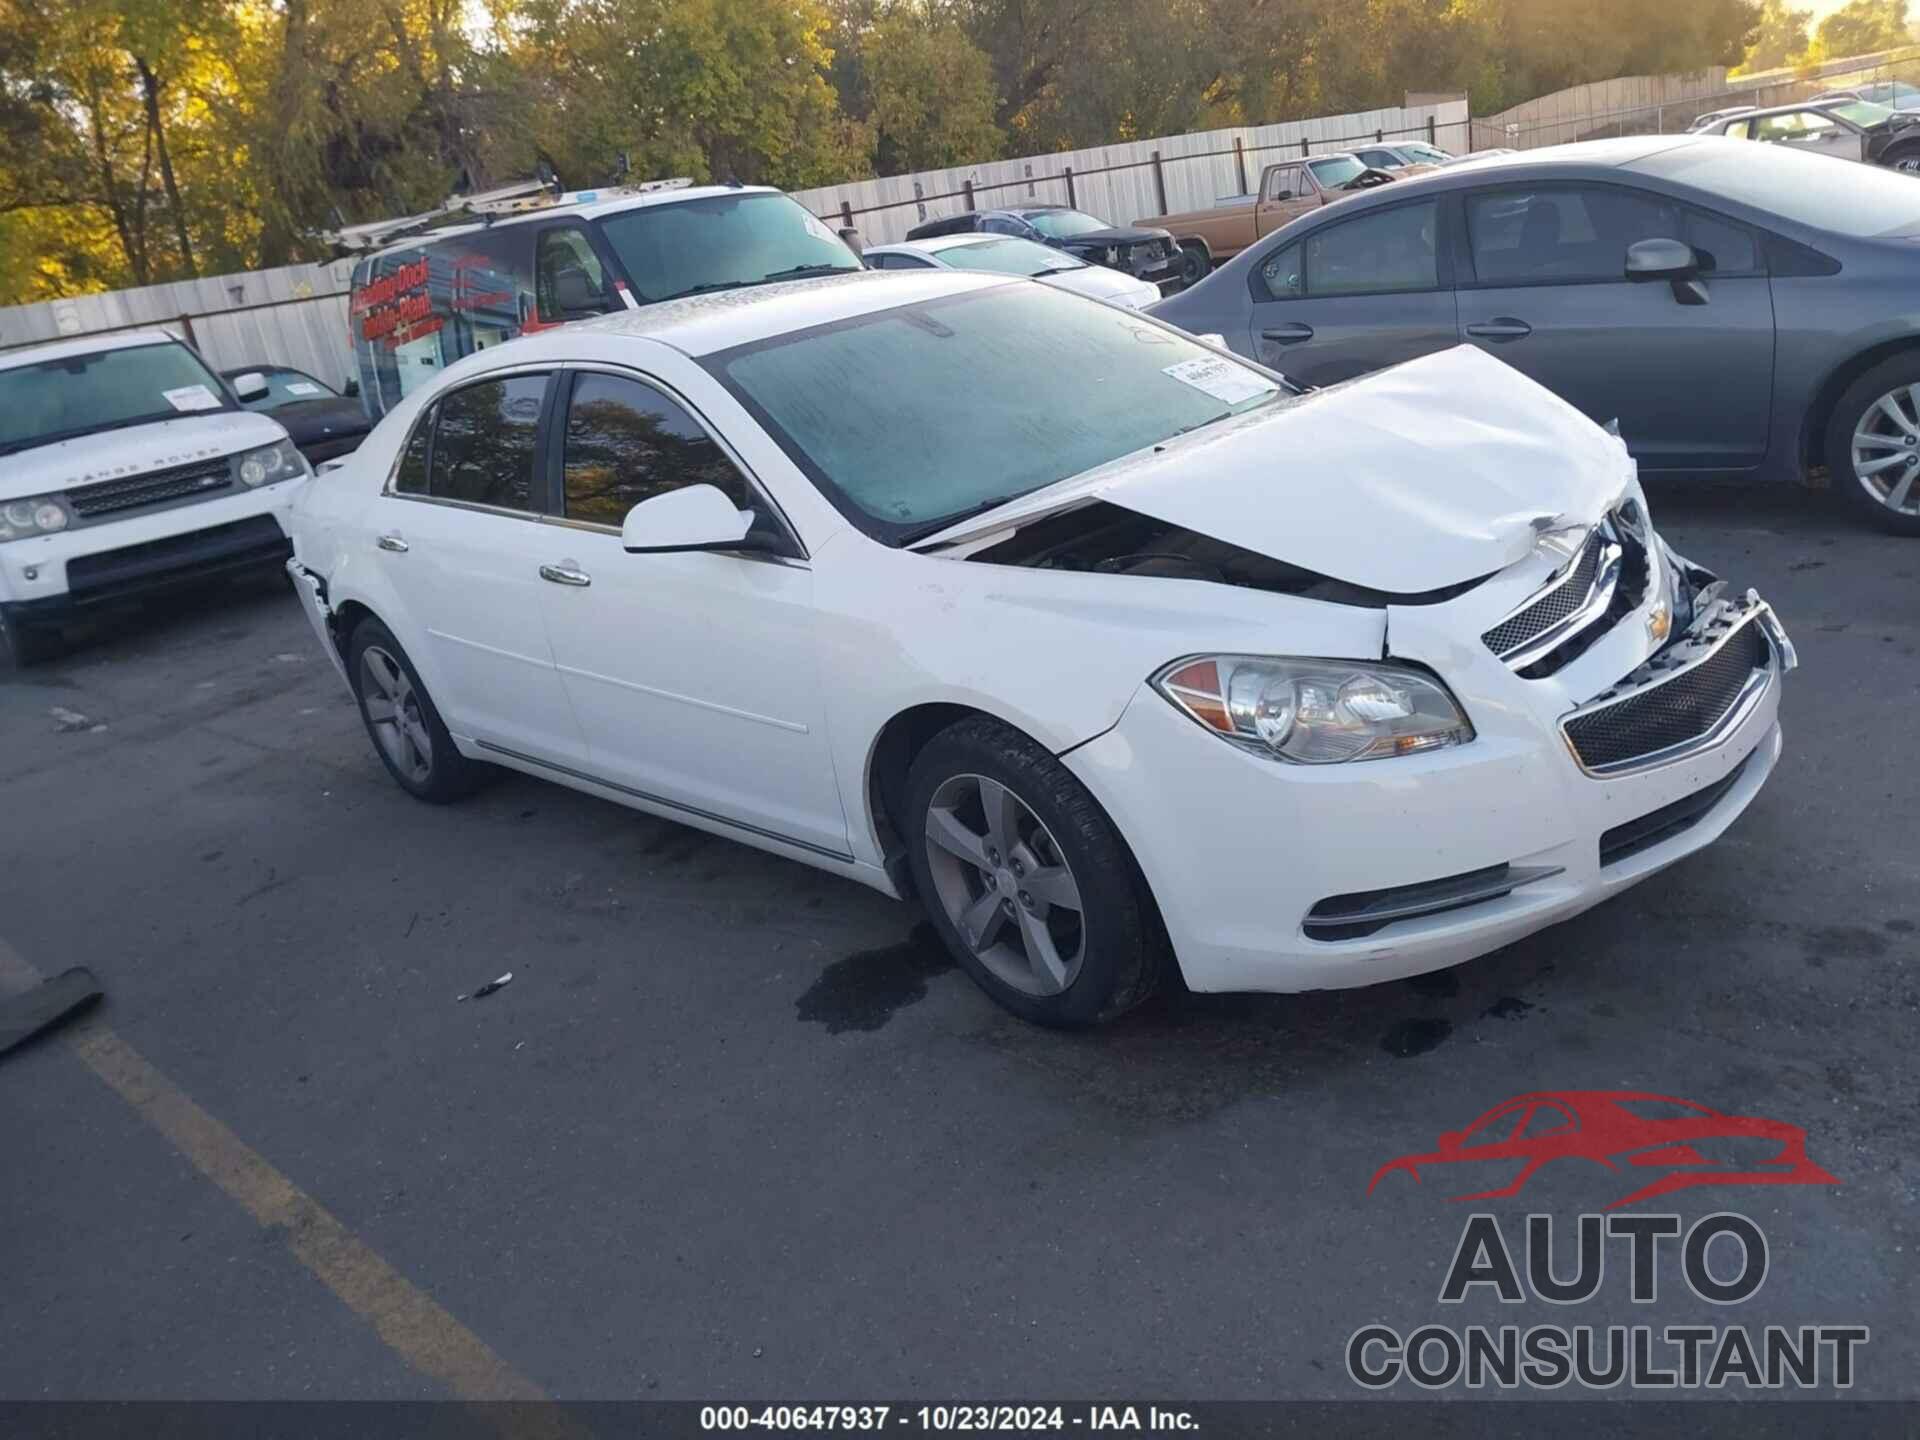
(1737, 308)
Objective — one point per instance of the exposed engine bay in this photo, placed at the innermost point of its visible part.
(1107, 539)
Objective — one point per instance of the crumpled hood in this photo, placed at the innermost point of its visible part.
(1436, 472)
(116, 454)
(1115, 235)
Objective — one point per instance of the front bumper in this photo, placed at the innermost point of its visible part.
(1283, 877)
(54, 577)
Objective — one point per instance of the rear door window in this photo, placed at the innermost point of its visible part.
(484, 443)
(1386, 250)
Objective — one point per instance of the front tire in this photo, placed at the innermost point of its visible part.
(1873, 444)
(407, 732)
(29, 644)
(1195, 263)
(1027, 880)
(1904, 158)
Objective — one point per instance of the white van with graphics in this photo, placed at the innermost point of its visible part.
(127, 466)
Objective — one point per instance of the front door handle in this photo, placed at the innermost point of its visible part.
(565, 573)
(393, 543)
(1501, 327)
(1288, 334)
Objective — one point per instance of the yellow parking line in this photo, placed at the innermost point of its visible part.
(404, 1317)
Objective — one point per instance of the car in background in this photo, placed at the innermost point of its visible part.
(1415, 156)
(1714, 117)
(1837, 129)
(127, 467)
(1894, 94)
(1111, 648)
(323, 423)
(1141, 251)
(1737, 309)
(1010, 255)
(485, 268)
(1288, 188)
(1486, 154)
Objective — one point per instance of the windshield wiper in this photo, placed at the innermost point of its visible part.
(794, 272)
(706, 288)
(934, 527)
(1055, 270)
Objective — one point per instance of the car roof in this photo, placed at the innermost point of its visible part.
(581, 203)
(702, 324)
(1819, 102)
(85, 345)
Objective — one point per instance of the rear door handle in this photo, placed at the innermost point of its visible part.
(393, 543)
(1288, 334)
(1501, 327)
(565, 573)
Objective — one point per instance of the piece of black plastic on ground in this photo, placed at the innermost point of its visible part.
(24, 1016)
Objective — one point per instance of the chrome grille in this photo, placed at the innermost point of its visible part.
(1553, 607)
(182, 482)
(1667, 713)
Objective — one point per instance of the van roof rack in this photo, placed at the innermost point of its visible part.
(484, 207)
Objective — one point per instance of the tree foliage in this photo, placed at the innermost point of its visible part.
(148, 140)
(1863, 27)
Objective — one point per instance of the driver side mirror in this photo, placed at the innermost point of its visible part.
(850, 237)
(1672, 260)
(250, 386)
(352, 390)
(694, 517)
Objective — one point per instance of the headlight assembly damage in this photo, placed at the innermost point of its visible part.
(1316, 712)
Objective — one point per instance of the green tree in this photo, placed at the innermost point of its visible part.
(1863, 27)
(930, 92)
(1781, 39)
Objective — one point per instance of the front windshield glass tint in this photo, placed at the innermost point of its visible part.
(909, 417)
(104, 390)
(1856, 200)
(1332, 174)
(1065, 224)
(1863, 113)
(1008, 256)
(721, 242)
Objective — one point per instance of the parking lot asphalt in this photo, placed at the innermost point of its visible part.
(737, 1128)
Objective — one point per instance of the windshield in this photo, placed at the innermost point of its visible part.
(1332, 174)
(721, 242)
(913, 417)
(1009, 255)
(104, 390)
(1863, 113)
(1855, 200)
(1064, 224)
(284, 387)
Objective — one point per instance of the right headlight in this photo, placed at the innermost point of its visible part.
(1315, 712)
(36, 515)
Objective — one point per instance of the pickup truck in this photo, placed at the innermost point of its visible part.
(1288, 189)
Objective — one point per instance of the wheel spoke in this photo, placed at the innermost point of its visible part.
(1874, 467)
(1052, 885)
(1890, 408)
(945, 829)
(381, 710)
(980, 922)
(1003, 817)
(415, 730)
(1049, 970)
(1870, 438)
(384, 674)
(1897, 497)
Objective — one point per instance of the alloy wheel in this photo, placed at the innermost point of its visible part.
(1886, 450)
(393, 713)
(1005, 885)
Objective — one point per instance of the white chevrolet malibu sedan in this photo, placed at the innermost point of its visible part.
(1111, 648)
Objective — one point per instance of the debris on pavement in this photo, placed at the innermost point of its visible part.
(486, 989)
(67, 721)
(24, 1016)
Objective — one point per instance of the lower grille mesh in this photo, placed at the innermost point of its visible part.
(1682, 709)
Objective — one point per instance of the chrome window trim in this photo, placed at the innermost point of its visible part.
(1749, 697)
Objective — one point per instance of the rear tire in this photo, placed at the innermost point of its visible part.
(1029, 885)
(1873, 444)
(1195, 263)
(407, 732)
(1904, 158)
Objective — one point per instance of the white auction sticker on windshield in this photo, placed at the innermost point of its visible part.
(192, 397)
(1222, 379)
(302, 387)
